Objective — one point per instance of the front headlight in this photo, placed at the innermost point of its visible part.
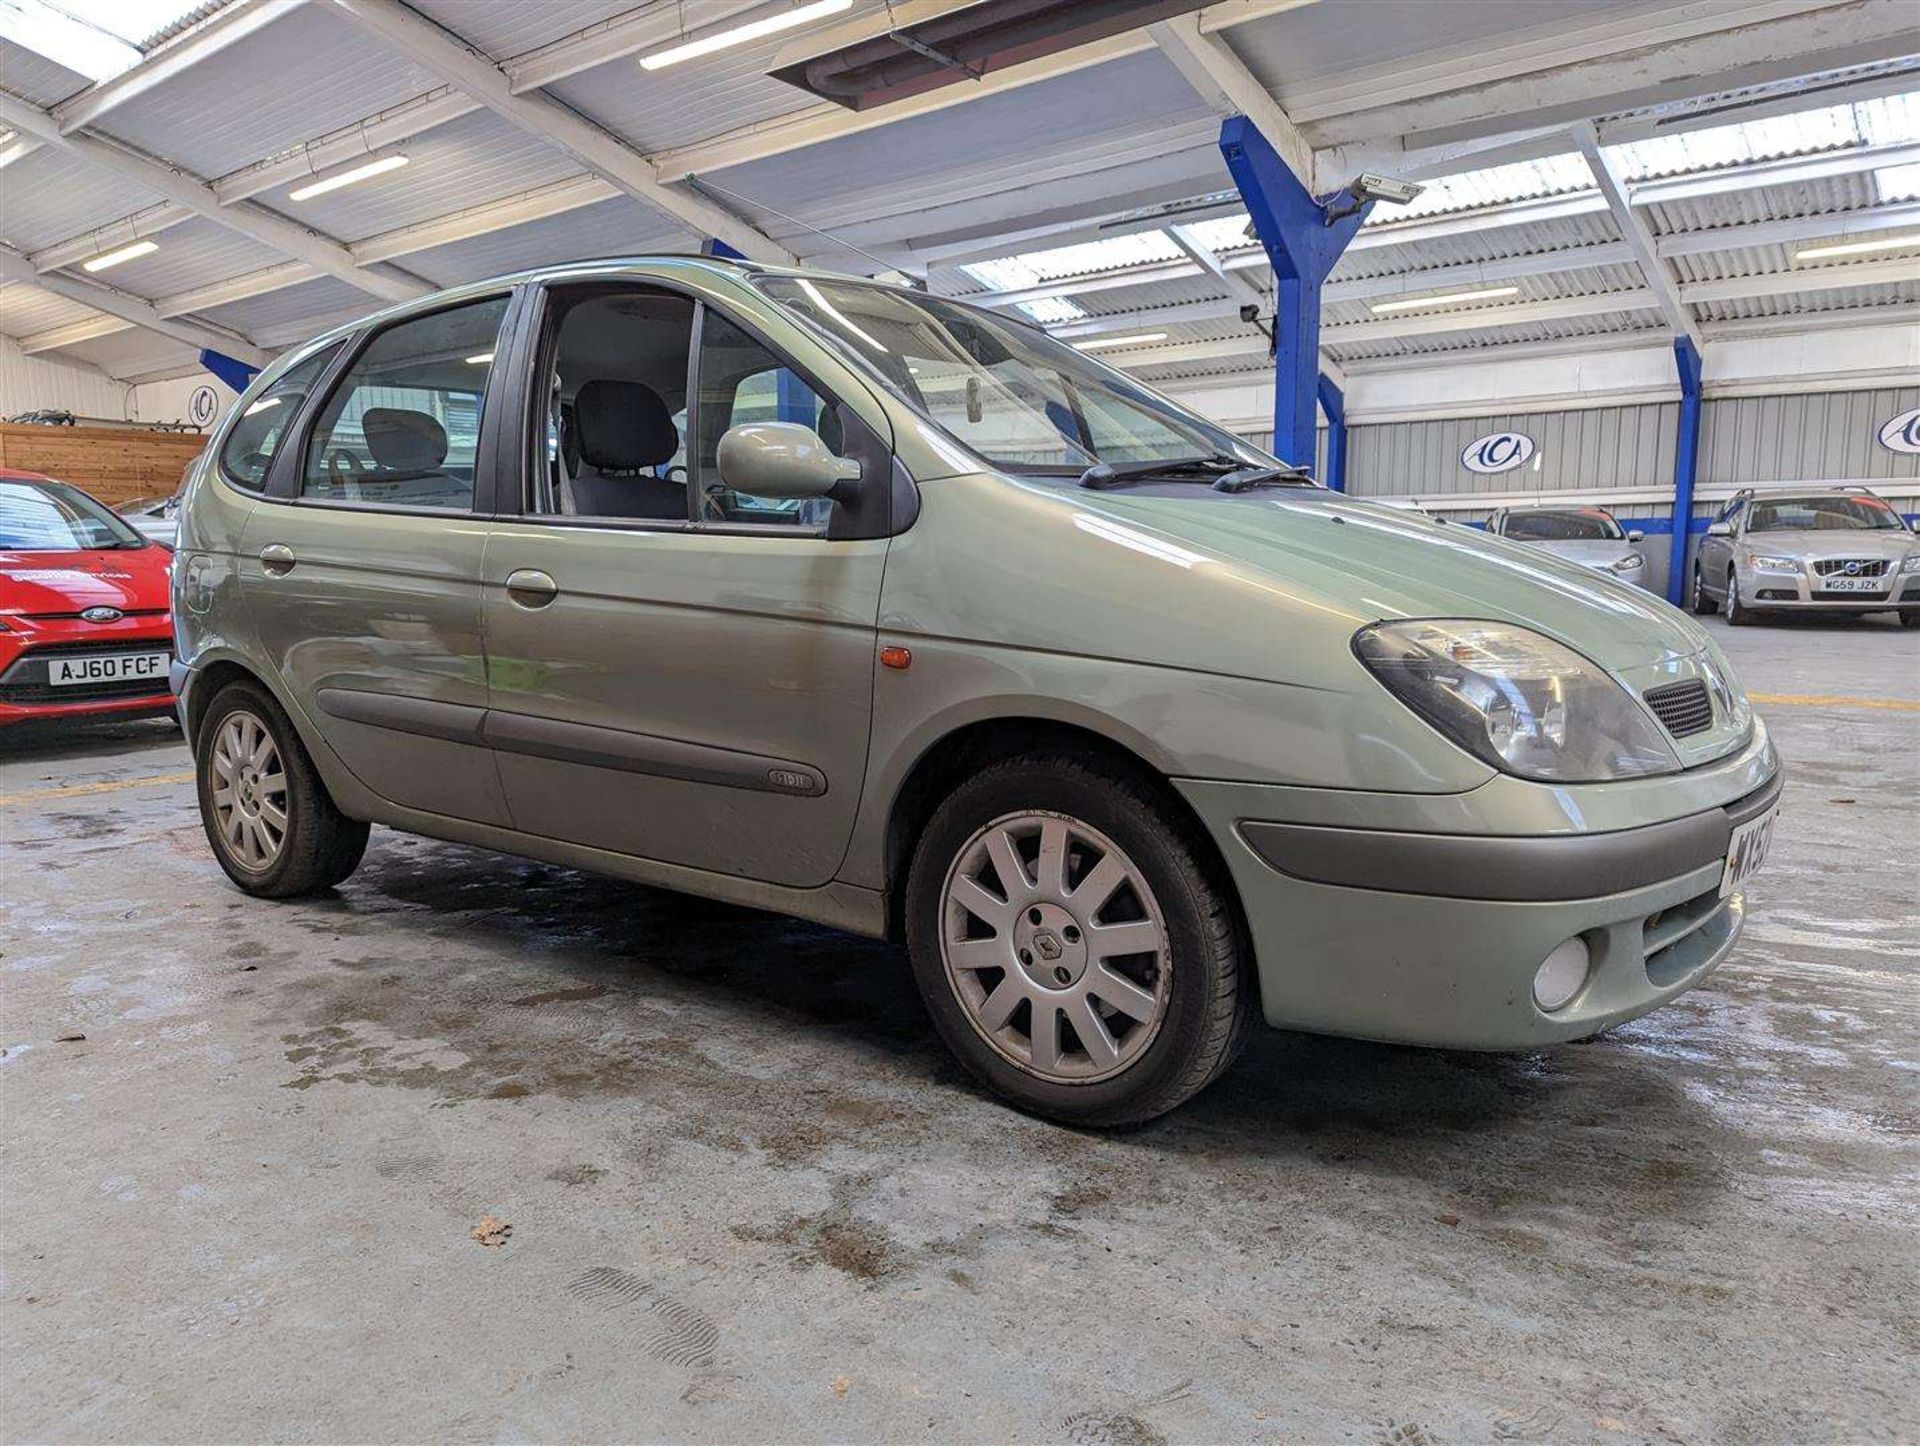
(1912, 564)
(1629, 563)
(1522, 702)
(1773, 564)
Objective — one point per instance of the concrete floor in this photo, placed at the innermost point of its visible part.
(752, 1200)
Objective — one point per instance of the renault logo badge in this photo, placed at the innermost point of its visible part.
(103, 615)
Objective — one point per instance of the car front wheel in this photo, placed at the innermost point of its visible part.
(1739, 615)
(1702, 604)
(1072, 945)
(270, 820)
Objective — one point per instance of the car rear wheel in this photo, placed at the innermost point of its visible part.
(1739, 615)
(271, 823)
(1071, 944)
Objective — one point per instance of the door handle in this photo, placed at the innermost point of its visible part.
(277, 558)
(531, 588)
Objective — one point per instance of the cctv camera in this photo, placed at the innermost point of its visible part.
(1368, 187)
(1250, 312)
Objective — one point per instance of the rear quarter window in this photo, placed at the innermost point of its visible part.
(247, 454)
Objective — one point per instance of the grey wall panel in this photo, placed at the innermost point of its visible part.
(1813, 437)
(1593, 449)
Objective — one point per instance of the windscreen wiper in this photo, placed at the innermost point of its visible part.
(1103, 475)
(1246, 478)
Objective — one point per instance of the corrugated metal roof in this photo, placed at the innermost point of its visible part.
(1829, 195)
(1469, 247)
(1809, 303)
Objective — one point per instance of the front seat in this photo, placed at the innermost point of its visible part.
(625, 429)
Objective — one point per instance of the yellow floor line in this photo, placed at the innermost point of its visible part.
(81, 790)
(1821, 700)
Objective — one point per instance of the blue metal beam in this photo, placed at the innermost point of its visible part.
(236, 374)
(714, 246)
(1333, 402)
(1303, 238)
(1686, 458)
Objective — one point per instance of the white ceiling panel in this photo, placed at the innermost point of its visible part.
(50, 196)
(25, 310)
(310, 72)
(619, 227)
(290, 305)
(194, 253)
(506, 28)
(31, 76)
(465, 163)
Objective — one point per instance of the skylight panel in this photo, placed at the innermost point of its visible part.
(66, 40)
(1493, 186)
(1050, 310)
(1898, 183)
(140, 23)
(1223, 234)
(1883, 121)
(1109, 253)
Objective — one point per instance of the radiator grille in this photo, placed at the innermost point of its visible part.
(1685, 707)
(1851, 566)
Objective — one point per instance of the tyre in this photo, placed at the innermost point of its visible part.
(1739, 615)
(268, 817)
(1702, 605)
(1073, 946)
(1909, 619)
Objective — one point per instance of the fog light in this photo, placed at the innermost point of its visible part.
(1561, 975)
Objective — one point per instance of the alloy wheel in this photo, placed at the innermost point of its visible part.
(1055, 947)
(249, 791)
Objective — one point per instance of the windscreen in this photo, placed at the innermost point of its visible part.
(1582, 526)
(1823, 514)
(1012, 394)
(53, 517)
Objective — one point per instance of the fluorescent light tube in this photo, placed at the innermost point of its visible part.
(481, 360)
(1137, 339)
(125, 253)
(1857, 248)
(348, 177)
(741, 34)
(1380, 308)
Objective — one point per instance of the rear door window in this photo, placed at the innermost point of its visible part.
(402, 428)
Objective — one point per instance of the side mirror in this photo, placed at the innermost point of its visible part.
(1720, 529)
(783, 460)
(1636, 536)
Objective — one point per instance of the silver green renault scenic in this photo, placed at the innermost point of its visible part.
(844, 600)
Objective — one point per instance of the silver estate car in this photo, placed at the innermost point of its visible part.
(855, 603)
(1839, 551)
(1589, 536)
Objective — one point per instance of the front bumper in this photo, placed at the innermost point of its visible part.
(25, 696)
(1434, 938)
(1767, 589)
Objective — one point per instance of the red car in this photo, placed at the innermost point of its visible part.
(84, 628)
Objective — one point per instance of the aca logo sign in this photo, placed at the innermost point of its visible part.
(1902, 433)
(1497, 452)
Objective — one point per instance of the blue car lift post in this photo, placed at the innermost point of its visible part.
(1303, 236)
(1686, 459)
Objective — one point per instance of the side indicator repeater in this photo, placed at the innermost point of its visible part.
(897, 658)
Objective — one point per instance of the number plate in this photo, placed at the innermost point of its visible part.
(1853, 584)
(1747, 850)
(110, 668)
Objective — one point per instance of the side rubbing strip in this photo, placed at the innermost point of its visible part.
(425, 717)
(645, 753)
